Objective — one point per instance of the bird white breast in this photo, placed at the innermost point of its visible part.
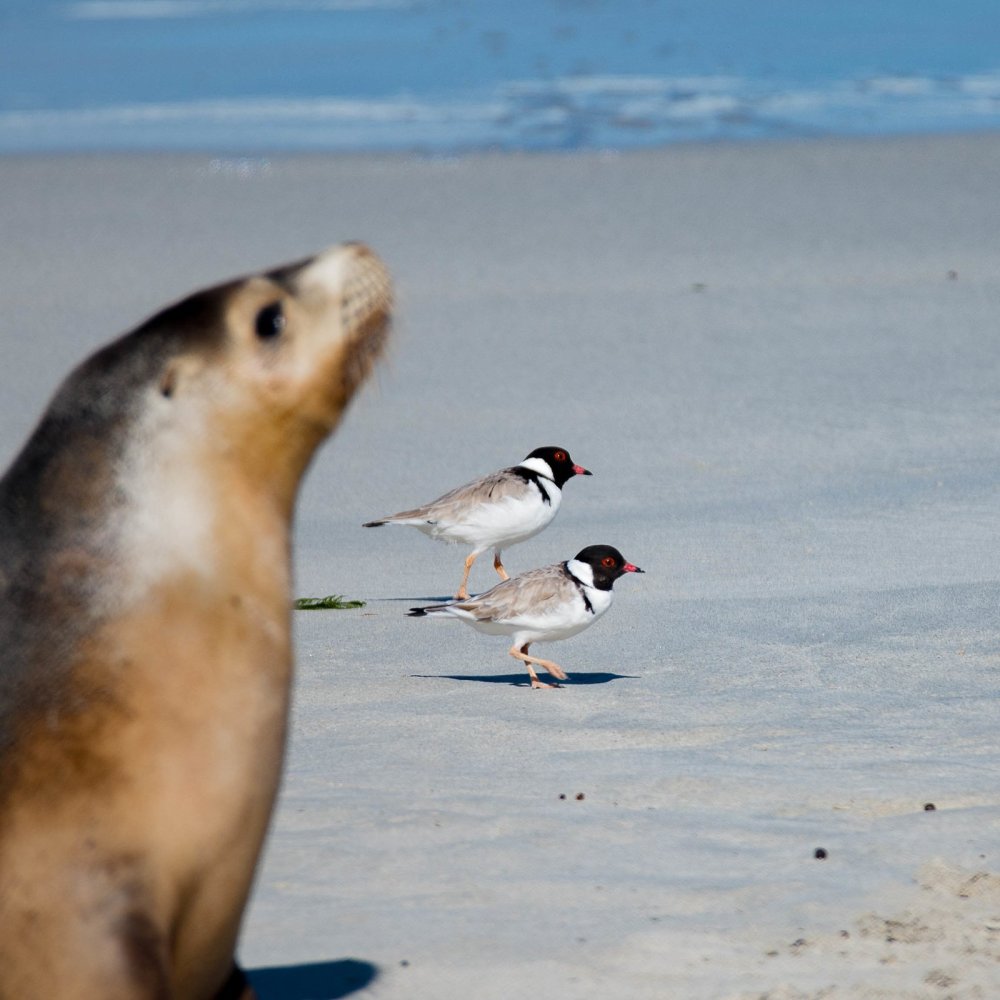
(569, 619)
(557, 622)
(500, 523)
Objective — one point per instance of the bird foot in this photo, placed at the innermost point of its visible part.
(538, 684)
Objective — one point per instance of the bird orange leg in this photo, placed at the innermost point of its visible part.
(463, 590)
(553, 668)
(498, 566)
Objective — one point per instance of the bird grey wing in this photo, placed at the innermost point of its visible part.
(528, 593)
(495, 486)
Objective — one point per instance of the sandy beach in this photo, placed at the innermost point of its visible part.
(781, 362)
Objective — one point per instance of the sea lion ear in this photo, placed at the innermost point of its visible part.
(177, 372)
(168, 381)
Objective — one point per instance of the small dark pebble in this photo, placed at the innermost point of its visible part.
(819, 853)
(405, 962)
(562, 795)
(952, 275)
(929, 807)
(579, 796)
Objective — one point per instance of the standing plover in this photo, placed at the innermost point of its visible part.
(542, 605)
(501, 509)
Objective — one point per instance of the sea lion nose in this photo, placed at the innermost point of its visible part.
(353, 276)
(354, 273)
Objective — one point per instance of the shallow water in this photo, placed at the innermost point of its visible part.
(447, 75)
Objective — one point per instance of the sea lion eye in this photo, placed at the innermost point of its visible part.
(608, 562)
(270, 321)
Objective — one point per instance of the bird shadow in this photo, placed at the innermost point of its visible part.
(312, 980)
(521, 679)
(423, 600)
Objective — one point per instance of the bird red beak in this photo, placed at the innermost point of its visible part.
(629, 568)
(581, 471)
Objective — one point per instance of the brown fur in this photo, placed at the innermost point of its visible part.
(145, 656)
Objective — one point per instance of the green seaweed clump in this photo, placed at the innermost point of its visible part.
(335, 602)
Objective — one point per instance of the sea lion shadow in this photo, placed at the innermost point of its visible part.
(312, 980)
(522, 680)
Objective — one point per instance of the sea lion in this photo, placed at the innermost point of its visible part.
(145, 615)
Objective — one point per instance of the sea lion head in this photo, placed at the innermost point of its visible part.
(271, 361)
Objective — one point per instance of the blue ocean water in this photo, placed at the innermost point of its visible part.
(442, 76)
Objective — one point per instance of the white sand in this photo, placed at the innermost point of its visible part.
(793, 416)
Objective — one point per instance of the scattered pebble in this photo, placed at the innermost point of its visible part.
(562, 795)
(929, 807)
(953, 275)
(819, 853)
(579, 796)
